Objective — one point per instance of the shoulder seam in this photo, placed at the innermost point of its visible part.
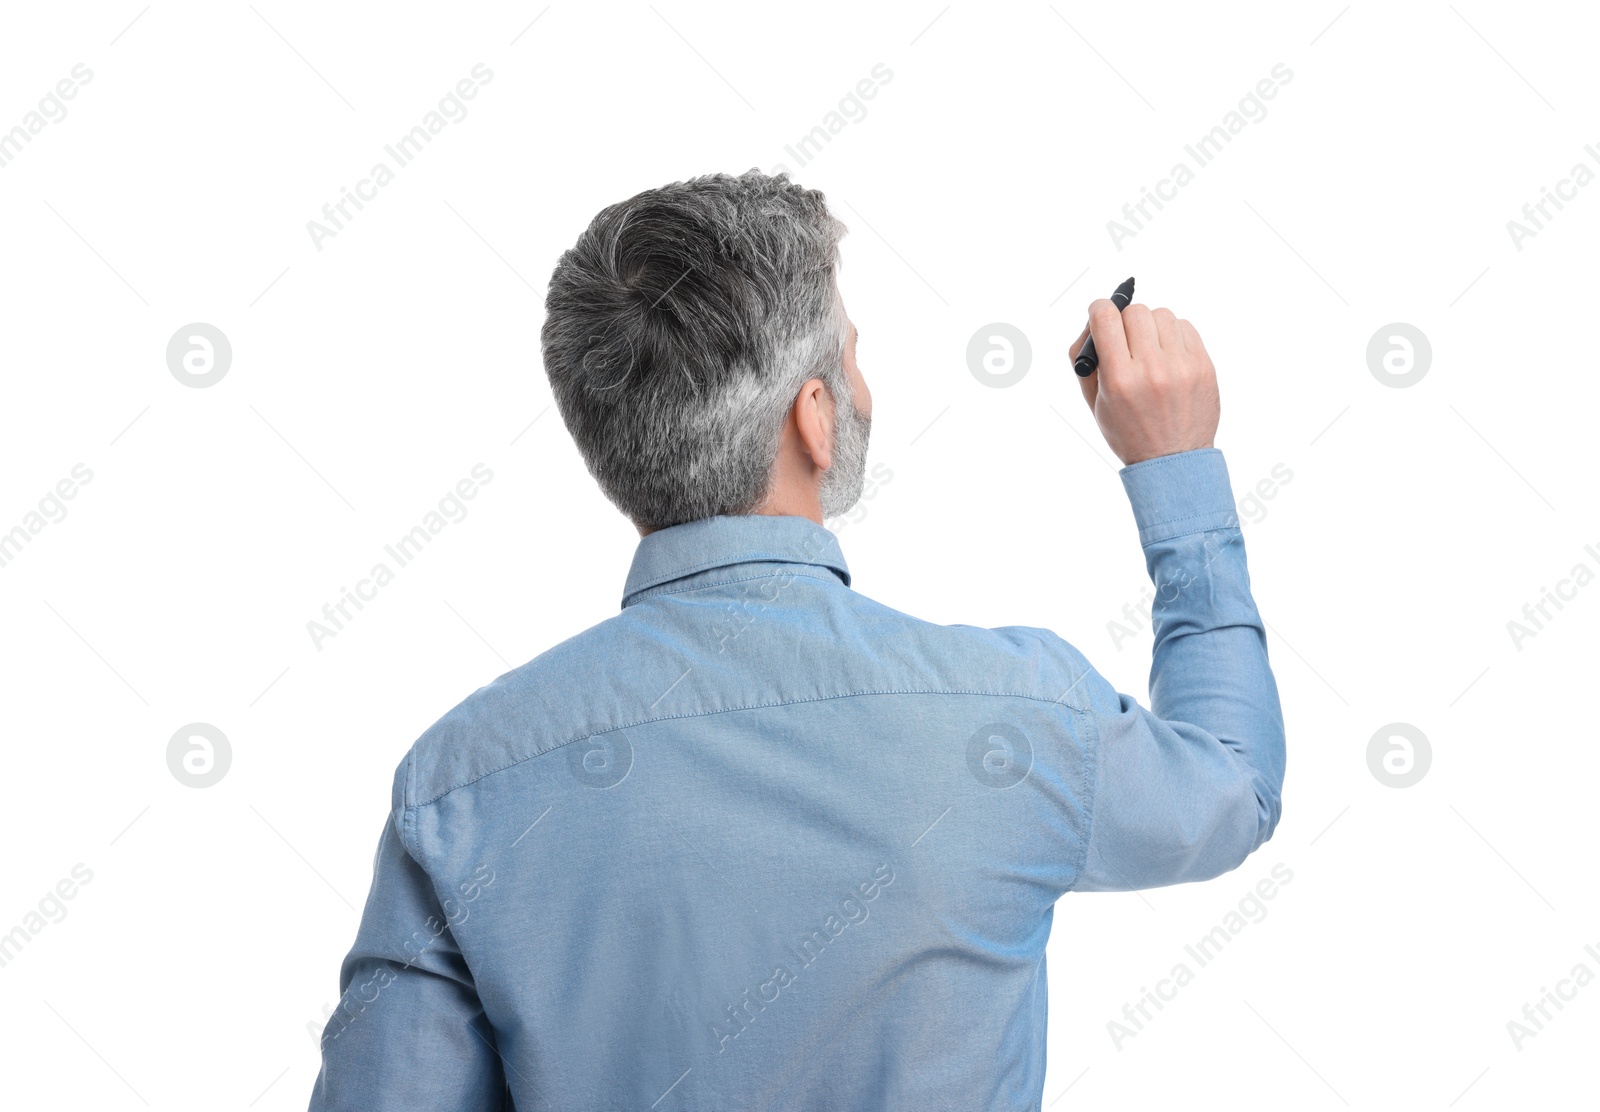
(1091, 795)
(408, 807)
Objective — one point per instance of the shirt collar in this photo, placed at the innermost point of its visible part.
(715, 542)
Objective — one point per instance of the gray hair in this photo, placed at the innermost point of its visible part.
(678, 331)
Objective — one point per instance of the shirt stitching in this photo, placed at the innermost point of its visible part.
(731, 710)
(651, 592)
(1178, 521)
(1090, 794)
(408, 816)
(722, 562)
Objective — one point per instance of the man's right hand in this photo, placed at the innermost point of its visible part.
(1155, 390)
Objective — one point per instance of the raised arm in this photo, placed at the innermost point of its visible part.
(1186, 789)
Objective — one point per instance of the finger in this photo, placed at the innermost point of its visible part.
(1077, 345)
(1090, 385)
(1110, 342)
(1191, 339)
(1140, 328)
(1167, 330)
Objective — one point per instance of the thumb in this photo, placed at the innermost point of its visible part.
(1077, 345)
(1090, 385)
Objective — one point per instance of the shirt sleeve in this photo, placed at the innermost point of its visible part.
(409, 1031)
(1190, 787)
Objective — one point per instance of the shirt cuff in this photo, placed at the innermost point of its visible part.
(1187, 492)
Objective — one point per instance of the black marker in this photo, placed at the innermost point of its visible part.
(1087, 360)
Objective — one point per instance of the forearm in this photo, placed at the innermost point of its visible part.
(1209, 664)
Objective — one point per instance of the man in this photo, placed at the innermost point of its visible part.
(758, 842)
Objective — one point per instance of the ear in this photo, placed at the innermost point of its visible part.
(813, 417)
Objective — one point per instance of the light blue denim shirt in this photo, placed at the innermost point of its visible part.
(758, 842)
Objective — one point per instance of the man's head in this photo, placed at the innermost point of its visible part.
(701, 356)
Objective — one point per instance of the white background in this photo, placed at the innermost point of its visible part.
(369, 376)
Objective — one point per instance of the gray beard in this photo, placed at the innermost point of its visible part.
(843, 481)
